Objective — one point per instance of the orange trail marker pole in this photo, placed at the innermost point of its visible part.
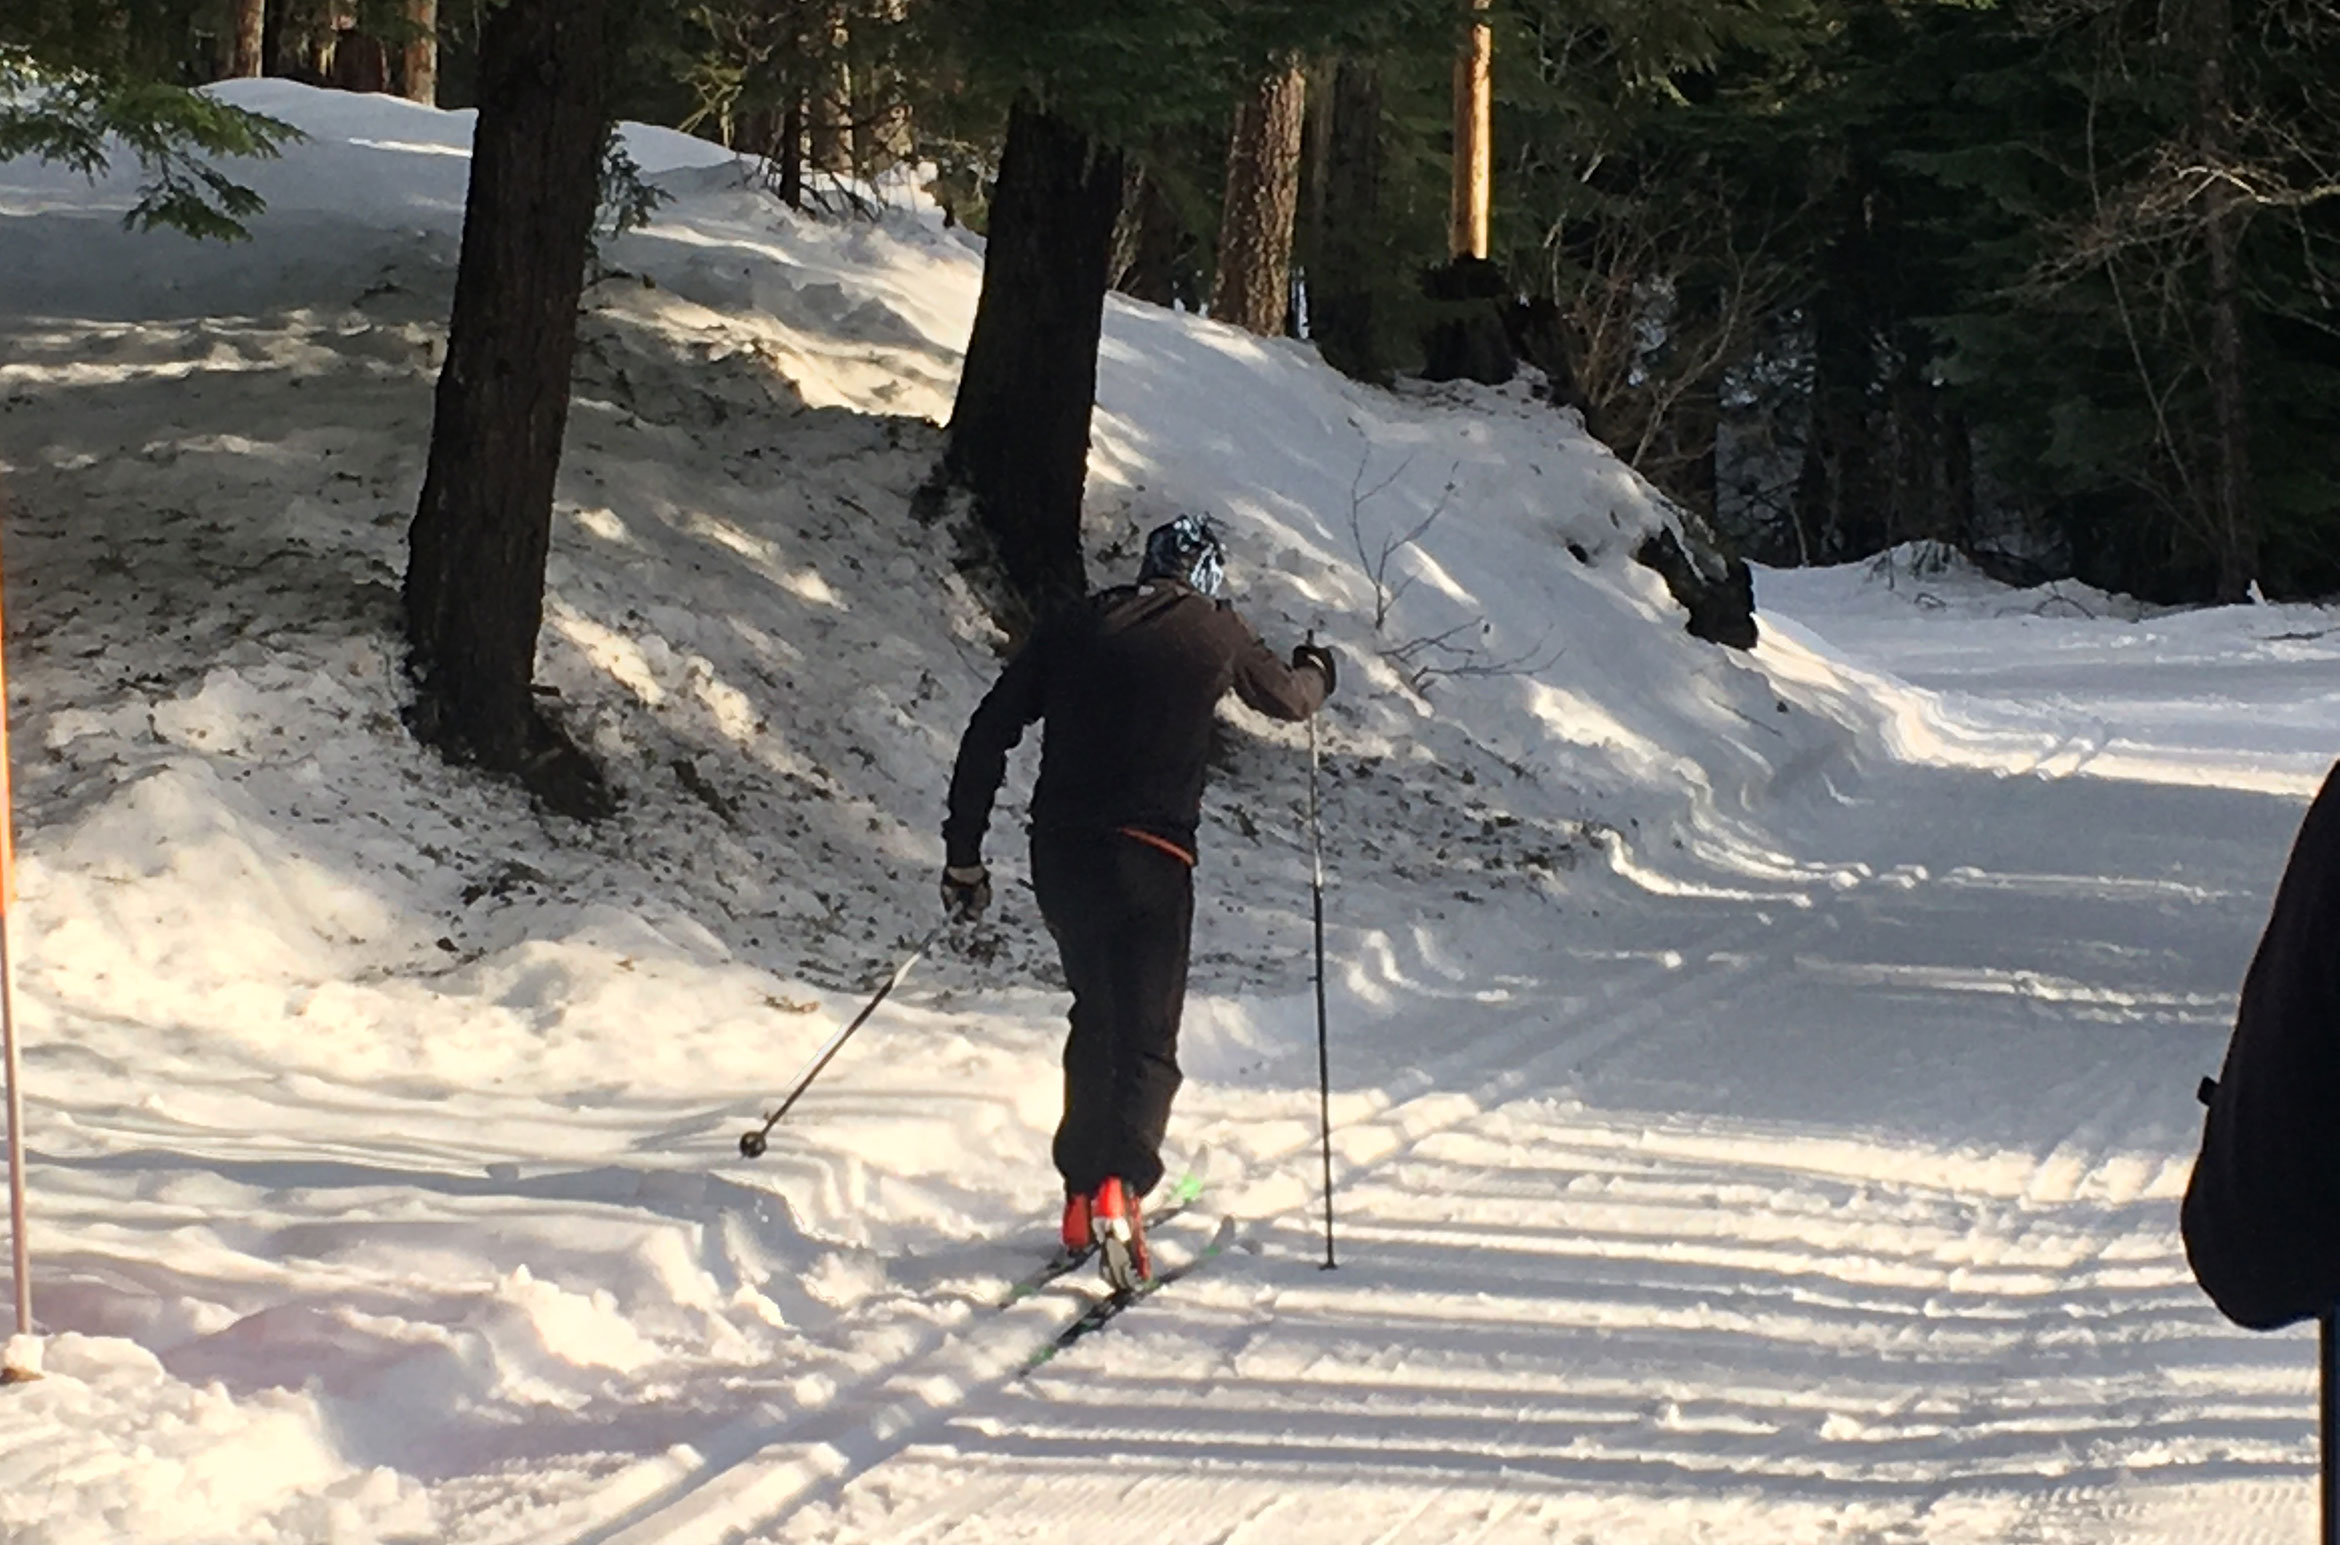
(20, 1250)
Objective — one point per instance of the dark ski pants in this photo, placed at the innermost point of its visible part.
(1122, 912)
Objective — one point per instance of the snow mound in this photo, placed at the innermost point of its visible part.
(130, 1453)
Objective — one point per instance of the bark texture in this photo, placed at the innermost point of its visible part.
(1019, 436)
(1153, 251)
(1342, 309)
(1474, 141)
(248, 48)
(788, 152)
(360, 62)
(2233, 522)
(418, 74)
(1253, 284)
(476, 551)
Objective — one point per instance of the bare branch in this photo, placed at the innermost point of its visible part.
(1376, 563)
(1422, 661)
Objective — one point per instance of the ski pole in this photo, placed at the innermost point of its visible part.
(751, 1144)
(2328, 1361)
(1323, 1045)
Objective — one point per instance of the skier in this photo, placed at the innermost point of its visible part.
(2261, 1216)
(1127, 680)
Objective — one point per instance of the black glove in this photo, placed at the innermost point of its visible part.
(966, 893)
(1320, 657)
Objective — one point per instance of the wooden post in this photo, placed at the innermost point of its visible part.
(1474, 140)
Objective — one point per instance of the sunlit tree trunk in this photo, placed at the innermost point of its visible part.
(418, 76)
(247, 55)
(1474, 140)
(1252, 286)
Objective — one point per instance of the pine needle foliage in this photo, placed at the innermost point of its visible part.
(77, 115)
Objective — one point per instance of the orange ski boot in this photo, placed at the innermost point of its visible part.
(1120, 1233)
(1075, 1233)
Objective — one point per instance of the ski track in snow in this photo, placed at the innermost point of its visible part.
(1763, 1086)
(1546, 1305)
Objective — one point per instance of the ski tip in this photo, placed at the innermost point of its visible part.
(1187, 1189)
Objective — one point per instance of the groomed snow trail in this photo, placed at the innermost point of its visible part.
(1908, 1272)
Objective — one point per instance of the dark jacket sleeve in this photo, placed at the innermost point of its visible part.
(1013, 702)
(1266, 683)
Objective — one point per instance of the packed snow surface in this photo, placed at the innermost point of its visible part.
(1762, 1083)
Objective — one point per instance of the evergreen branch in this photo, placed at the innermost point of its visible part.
(76, 117)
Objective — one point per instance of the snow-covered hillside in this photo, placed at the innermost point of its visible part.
(1763, 1082)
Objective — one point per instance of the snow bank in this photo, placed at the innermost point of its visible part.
(2164, 686)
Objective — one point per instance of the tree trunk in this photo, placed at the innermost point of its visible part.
(247, 53)
(882, 136)
(418, 75)
(882, 132)
(360, 62)
(1019, 436)
(1252, 287)
(1912, 467)
(2238, 533)
(1844, 487)
(1958, 502)
(1308, 238)
(1682, 457)
(832, 100)
(476, 552)
(321, 42)
(829, 142)
(1466, 337)
(2233, 522)
(789, 152)
(1153, 251)
(280, 41)
(1342, 315)
(1474, 141)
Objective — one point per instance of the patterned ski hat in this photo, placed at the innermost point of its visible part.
(1187, 550)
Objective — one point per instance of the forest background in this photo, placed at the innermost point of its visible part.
(2049, 281)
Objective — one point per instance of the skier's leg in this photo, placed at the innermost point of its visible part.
(1149, 998)
(1078, 910)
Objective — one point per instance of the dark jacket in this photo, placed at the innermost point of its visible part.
(2262, 1211)
(1127, 681)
